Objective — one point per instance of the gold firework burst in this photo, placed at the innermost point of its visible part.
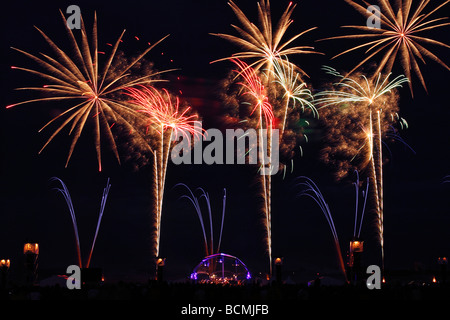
(77, 78)
(399, 36)
(265, 43)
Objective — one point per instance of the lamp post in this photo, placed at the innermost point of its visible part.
(278, 266)
(355, 257)
(4, 268)
(31, 252)
(443, 262)
(160, 263)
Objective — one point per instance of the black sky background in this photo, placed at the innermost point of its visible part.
(417, 215)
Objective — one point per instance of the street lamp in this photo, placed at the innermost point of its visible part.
(31, 252)
(278, 266)
(4, 267)
(31, 248)
(160, 263)
(355, 256)
(4, 264)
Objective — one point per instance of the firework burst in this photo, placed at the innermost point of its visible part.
(266, 51)
(164, 113)
(371, 97)
(360, 90)
(254, 87)
(166, 119)
(261, 108)
(265, 44)
(92, 89)
(294, 89)
(287, 90)
(400, 36)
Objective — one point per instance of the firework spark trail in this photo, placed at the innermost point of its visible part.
(380, 185)
(393, 133)
(100, 216)
(357, 234)
(398, 36)
(166, 119)
(196, 203)
(311, 190)
(371, 94)
(194, 200)
(65, 192)
(267, 193)
(78, 79)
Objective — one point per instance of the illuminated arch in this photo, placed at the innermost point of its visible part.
(221, 268)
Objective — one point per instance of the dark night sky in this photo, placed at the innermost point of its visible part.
(417, 218)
